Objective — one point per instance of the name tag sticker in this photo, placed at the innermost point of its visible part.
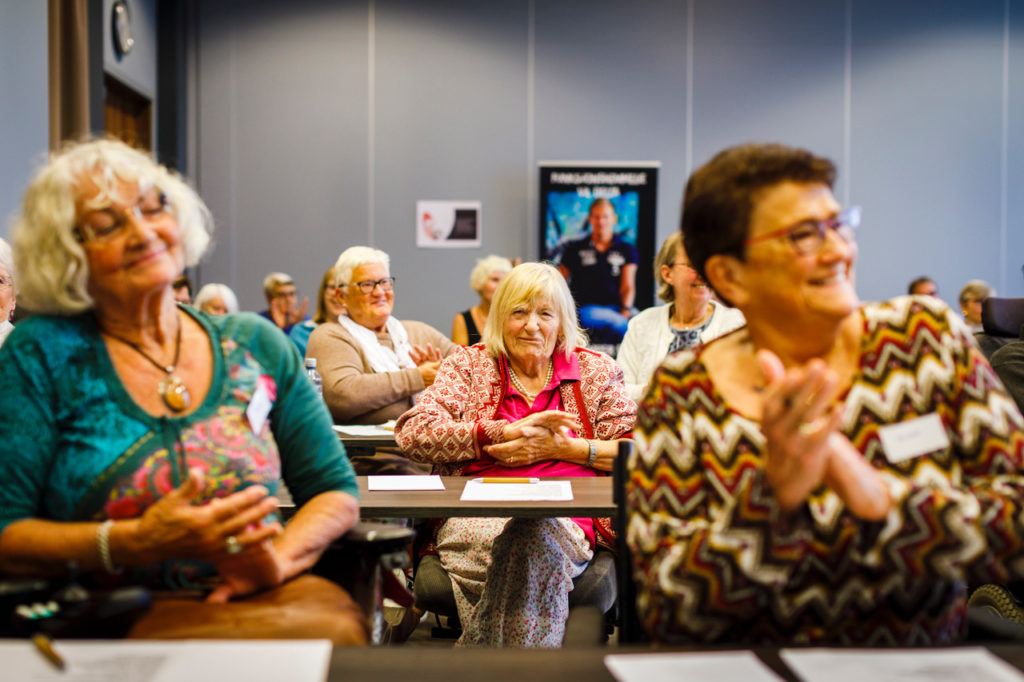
(262, 401)
(913, 438)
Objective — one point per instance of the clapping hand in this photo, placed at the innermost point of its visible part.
(180, 525)
(427, 360)
(804, 444)
(536, 437)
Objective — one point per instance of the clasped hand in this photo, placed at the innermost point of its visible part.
(179, 526)
(284, 312)
(536, 437)
(804, 447)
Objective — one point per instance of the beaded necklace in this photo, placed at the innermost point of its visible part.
(530, 397)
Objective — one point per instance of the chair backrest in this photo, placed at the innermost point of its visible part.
(629, 624)
(1002, 316)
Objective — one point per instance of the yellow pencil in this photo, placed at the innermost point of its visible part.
(45, 646)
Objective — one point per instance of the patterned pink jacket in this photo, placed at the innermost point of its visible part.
(454, 418)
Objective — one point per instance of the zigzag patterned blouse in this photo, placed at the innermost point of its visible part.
(713, 561)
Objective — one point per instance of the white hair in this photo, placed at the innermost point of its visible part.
(485, 267)
(54, 271)
(354, 256)
(7, 261)
(215, 290)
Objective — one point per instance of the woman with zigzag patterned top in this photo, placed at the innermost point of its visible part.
(834, 472)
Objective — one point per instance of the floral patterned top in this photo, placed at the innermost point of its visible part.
(79, 448)
(714, 561)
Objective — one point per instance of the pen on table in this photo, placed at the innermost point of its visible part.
(506, 479)
(44, 645)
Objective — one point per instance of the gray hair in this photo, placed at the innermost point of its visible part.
(54, 271)
(273, 282)
(7, 262)
(214, 290)
(485, 267)
(526, 284)
(354, 256)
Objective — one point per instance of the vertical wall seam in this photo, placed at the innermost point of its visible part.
(233, 156)
(1004, 157)
(847, 102)
(688, 142)
(532, 206)
(371, 129)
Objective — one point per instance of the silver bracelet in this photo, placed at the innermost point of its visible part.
(593, 453)
(103, 546)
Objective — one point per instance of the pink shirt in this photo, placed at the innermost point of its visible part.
(514, 407)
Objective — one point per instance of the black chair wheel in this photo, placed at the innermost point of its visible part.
(999, 600)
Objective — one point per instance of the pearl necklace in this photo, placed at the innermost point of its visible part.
(530, 397)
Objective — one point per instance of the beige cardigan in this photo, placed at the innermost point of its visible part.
(356, 394)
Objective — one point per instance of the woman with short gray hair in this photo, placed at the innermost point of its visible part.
(7, 291)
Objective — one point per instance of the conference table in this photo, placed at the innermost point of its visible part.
(591, 496)
(536, 665)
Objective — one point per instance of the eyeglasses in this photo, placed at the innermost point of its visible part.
(109, 224)
(291, 293)
(807, 236)
(6, 282)
(367, 286)
(685, 265)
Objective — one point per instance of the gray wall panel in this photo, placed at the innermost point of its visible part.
(450, 124)
(1013, 284)
(927, 102)
(611, 86)
(768, 72)
(282, 139)
(24, 135)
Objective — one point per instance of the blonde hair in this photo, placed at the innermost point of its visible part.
(52, 266)
(273, 282)
(354, 256)
(321, 307)
(975, 289)
(525, 285)
(208, 292)
(484, 268)
(667, 256)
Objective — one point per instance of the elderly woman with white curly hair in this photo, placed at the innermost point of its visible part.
(7, 291)
(150, 438)
(216, 299)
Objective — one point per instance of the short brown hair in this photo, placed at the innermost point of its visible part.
(720, 195)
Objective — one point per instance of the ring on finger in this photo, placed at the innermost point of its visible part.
(811, 428)
(233, 545)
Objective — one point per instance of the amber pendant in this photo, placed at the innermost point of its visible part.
(175, 393)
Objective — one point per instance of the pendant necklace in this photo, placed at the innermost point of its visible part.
(172, 389)
(530, 397)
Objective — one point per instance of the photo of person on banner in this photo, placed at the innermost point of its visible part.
(601, 270)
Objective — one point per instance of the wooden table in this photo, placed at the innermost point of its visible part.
(592, 496)
(366, 442)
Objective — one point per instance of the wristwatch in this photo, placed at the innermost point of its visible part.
(593, 453)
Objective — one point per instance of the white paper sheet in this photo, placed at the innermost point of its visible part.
(380, 430)
(404, 483)
(166, 661)
(695, 666)
(900, 665)
(544, 491)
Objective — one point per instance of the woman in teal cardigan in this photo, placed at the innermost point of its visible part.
(150, 437)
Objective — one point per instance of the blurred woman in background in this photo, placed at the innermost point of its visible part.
(468, 326)
(216, 299)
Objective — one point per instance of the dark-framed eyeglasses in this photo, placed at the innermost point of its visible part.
(808, 236)
(108, 224)
(368, 285)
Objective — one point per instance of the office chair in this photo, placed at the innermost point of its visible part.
(1002, 319)
(363, 562)
(593, 595)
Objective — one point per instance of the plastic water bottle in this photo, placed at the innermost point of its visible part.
(314, 376)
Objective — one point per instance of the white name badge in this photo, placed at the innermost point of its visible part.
(913, 438)
(259, 406)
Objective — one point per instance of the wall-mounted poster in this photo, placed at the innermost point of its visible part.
(597, 224)
(448, 224)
